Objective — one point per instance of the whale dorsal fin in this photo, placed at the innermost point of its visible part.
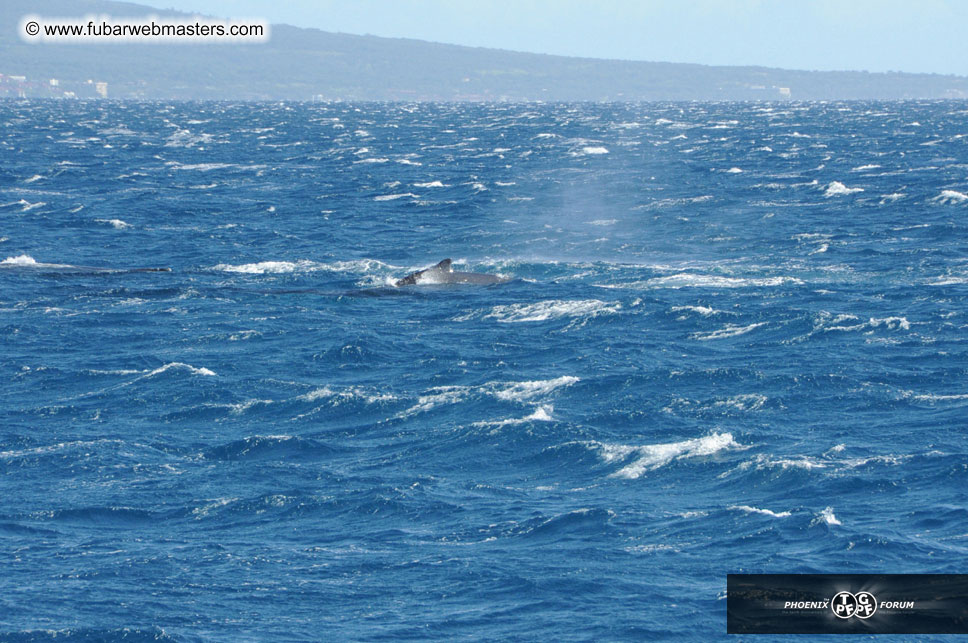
(411, 279)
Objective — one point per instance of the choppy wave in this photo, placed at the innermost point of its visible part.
(951, 197)
(693, 280)
(179, 365)
(758, 511)
(394, 197)
(118, 224)
(552, 309)
(836, 188)
(692, 364)
(846, 322)
(730, 330)
(303, 265)
(705, 311)
(827, 517)
(653, 456)
(542, 414)
(519, 392)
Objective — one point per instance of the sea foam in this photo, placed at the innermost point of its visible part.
(653, 456)
(951, 197)
(547, 310)
(836, 188)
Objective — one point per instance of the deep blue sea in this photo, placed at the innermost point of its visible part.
(733, 341)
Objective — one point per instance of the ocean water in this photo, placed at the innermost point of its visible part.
(733, 340)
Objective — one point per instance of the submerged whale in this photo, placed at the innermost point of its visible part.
(27, 264)
(444, 273)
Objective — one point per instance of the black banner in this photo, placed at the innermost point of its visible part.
(847, 603)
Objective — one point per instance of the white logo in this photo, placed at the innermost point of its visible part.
(861, 605)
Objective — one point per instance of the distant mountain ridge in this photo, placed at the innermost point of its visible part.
(307, 64)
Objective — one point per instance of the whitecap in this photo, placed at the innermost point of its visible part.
(243, 335)
(242, 407)
(270, 267)
(208, 167)
(20, 260)
(117, 223)
(304, 265)
(181, 365)
(800, 462)
(693, 514)
(438, 396)
(653, 456)
(317, 394)
(204, 510)
(542, 414)
(651, 548)
(950, 197)
(351, 393)
(28, 206)
(666, 203)
(185, 138)
(693, 280)
(523, 391)
(948, 280)
(843, 323)
(518, 392)
(827, 516)
(744, 402)
(549, 309)
(393, 197)
(730, 330)
(705, 311)
(891, 322)
(836, 188)
(933, 397)
(755, 510)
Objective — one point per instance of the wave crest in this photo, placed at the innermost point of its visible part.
(653, 456)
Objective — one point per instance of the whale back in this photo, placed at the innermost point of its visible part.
(444, 273)
(440, 269)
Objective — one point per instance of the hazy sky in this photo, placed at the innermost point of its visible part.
(873, 35)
